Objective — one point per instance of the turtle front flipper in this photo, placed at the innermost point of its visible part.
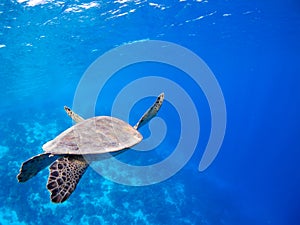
(64, 176)
(34, 165)
(151, 112)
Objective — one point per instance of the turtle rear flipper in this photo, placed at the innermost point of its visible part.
(34, 165)
(64, 176)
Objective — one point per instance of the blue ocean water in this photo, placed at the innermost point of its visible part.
(252, 47)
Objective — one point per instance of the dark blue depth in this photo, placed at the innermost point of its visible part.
(251, 46)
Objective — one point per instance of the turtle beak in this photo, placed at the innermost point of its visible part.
(66, 108)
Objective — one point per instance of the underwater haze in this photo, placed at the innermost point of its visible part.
(251, 47)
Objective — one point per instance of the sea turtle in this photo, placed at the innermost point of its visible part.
(91, 137)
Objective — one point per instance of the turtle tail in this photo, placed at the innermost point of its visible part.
(64, 176)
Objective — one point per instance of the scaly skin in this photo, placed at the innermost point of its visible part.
(66, 170)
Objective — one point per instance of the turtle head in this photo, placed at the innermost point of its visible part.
(151, 112)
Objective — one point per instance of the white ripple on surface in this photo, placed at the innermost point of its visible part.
(83, 6)
(33, 2)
